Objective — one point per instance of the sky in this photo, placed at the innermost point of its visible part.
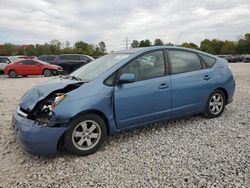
(40, 21)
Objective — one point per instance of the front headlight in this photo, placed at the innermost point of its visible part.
(58, 99)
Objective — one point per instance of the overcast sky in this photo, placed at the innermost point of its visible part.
(39, 21)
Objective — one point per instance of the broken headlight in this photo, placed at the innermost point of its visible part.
(46, 113)
(59, 97)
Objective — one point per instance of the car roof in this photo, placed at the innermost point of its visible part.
(146, 49)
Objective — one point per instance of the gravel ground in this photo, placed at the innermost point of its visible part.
(190, 152)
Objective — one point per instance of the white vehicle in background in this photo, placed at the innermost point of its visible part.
(5, 60)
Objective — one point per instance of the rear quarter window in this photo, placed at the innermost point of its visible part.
(210, 61)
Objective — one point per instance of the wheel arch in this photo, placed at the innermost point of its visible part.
(93, 111)
(224, 91)
(60, 143)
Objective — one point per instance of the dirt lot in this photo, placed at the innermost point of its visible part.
(189, 152)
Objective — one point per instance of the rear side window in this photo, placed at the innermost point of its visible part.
(210, 61)
(29, 62)
(183, 61)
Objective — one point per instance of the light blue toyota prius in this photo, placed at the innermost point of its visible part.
(121, 90)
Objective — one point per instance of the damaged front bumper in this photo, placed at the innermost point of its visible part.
(34, 138)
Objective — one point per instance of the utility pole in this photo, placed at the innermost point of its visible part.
(178, 39)
(126, 43)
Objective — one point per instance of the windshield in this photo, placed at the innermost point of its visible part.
(95, 68)
(13, 59)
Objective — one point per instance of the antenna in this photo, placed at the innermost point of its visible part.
(178, 39)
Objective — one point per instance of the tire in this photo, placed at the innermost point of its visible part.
(47, 73)
(12, 74)
(25, 76)
(85, 135)
(215, 105)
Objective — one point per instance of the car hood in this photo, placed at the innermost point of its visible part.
(41, 91)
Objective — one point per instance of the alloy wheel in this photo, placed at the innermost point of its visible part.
(216, 103)
(86, 135)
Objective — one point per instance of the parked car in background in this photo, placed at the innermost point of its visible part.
(24, 57)
(234, 58)
(221, 56)
(71, 62)
(119, 91)
(5, 60)
(31, 67)
(246, 58)
(47, 58)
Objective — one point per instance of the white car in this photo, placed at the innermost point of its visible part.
(5, 60)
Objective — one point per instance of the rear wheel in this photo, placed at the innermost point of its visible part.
(12, 74)
(85, 135)
(215, 104)
(47, 73)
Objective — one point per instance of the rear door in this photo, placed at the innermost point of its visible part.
(149, 97)
(191, 82)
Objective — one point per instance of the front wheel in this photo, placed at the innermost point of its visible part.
(12, 74)
(85, 135)
(215, 105)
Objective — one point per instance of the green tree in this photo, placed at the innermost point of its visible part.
(9, 49)
(169, 44)
(229, 47)
(158, 42)
(190, 45)
(102, 47)
(145, 43)
(135, 44)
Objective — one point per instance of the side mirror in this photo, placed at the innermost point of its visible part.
(126, 78)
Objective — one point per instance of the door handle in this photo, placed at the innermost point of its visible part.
(163, 86)
(207, 77)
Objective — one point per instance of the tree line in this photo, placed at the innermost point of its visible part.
(214, 46)
(55, 47)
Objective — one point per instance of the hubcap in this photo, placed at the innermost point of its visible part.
(12, 74)
(47, 73)
(216, 103)
(86, 135)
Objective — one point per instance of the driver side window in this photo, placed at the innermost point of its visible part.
(146, 67)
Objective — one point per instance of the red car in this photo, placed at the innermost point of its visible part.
(31, 67)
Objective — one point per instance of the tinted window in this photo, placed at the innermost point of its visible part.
(70, 57)
(4, 60)
(29, 62)
(182, 61)
(147, 66)
(84, 58)
(208, 60)
(51, 58)
(43, 58)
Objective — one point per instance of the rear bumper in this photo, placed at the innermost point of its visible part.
(35, 139)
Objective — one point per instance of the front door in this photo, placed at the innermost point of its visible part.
(149, 97)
